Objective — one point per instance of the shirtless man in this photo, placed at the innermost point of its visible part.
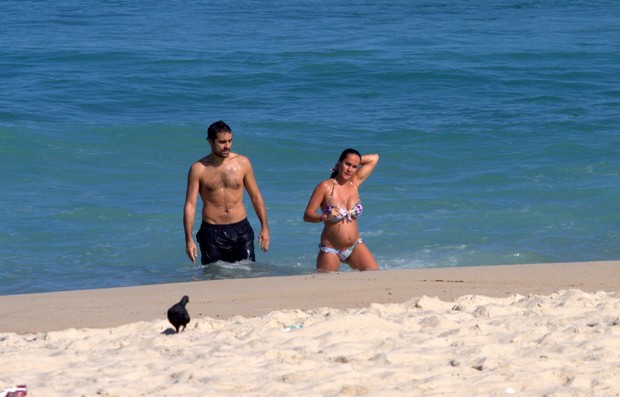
(225, 233)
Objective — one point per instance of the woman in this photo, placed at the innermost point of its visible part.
(340, 205)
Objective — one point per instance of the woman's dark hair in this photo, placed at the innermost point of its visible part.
(343, 156)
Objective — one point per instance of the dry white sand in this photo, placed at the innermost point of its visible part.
(540, 330)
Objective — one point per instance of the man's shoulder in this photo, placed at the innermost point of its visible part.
(238, 156)
(203, 162)
(239, 159)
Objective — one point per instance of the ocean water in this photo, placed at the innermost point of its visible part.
(497, 123)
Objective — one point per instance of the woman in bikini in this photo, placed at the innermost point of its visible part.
(339, 203)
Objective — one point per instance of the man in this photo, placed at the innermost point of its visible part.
(225, 233)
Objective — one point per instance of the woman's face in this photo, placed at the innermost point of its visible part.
(349, 166)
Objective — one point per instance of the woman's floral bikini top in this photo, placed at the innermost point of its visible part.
(343, 213)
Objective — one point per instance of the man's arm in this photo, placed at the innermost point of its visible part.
(258, 203)
(189, 212)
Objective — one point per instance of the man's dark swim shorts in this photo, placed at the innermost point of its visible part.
(228, 243)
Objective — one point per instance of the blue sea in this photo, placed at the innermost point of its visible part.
(497, 123)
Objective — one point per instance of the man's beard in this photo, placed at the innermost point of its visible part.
(223, 154)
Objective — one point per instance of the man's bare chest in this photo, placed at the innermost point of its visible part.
(221, 179)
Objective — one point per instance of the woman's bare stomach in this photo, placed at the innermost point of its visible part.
(340, 235)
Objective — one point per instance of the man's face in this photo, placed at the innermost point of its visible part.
(222, 144)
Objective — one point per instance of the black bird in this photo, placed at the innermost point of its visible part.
(178, 315)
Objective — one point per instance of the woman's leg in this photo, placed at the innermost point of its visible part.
(327, 262)
(361, 258)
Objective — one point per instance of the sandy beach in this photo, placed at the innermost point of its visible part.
(526, 330)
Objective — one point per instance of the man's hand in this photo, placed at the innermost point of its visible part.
(190, 250)
(263, 239)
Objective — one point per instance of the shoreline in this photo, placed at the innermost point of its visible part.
(527, 330)
(251, 297)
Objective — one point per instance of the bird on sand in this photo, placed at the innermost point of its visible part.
(178, 315)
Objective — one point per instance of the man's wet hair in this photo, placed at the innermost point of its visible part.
(216, 128)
